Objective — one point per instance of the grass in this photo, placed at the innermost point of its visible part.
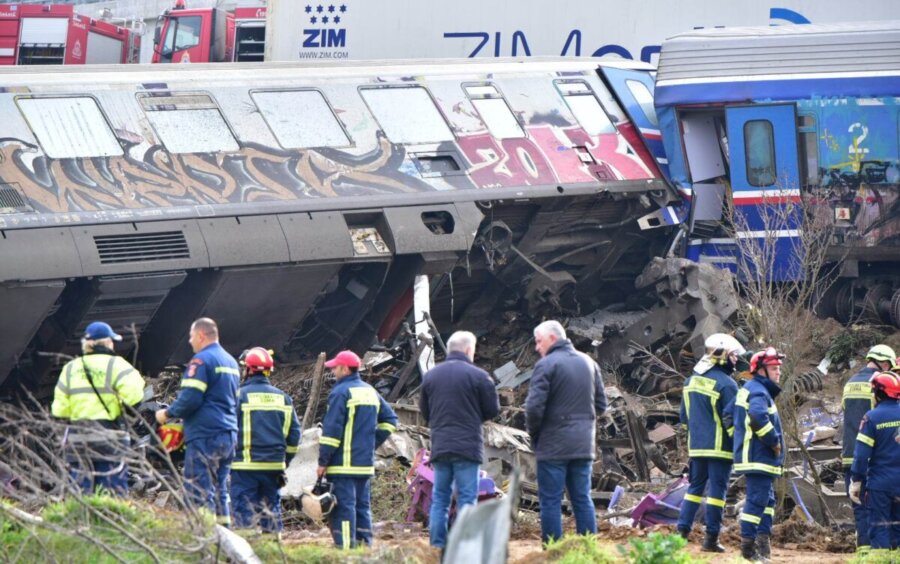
(95, 528)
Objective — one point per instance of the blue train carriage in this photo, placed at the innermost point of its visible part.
(296, 204)
(764, 116)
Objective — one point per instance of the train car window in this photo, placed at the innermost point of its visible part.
(586, 107)
(69, 128)
(644, 99)
(301, 119)
(407, 114)
(188, 123)
(494, 111)
(759, 152)
(809, 149)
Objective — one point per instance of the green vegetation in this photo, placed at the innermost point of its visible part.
(104, 529)
(845, 346)
(657, 548)
(579, 549)
(876, 557)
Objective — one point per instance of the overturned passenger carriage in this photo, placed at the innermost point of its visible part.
(295, 205)
(763, 119)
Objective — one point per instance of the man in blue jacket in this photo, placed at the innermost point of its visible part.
(758, 450)
(207, 401)
(357, 421)
(876, 464)
(565, 396)
(457, 397)
(268, 438)
(856, 401)
(710, 449)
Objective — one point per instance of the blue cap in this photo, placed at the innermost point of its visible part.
(100, 330)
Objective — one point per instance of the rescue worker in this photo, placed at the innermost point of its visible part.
(706, 394)
(90, 394)
(856, 401)
(758, 450)
(207, 402)
(876, 464)
(268, 438)
(357, 421)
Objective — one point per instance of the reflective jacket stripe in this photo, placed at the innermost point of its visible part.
(774, 470)
(257, 465)
(358, 470)
(715, 502)
(227, 370)
(767, 428)
(328, 441)
(386, 427)
(710, 453)
(193, 383)
(865, 439)
(751, 518)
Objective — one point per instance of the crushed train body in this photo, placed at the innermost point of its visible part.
(295, 205)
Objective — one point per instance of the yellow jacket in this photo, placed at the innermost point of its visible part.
(116, 381)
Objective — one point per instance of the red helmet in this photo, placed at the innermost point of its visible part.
(171, 435)
(258, 359)
(766, 357)
(887, 382)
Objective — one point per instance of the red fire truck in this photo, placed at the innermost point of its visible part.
(204, 35)
(48, 34)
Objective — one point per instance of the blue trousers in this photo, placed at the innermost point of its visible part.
(759, 507)
(255, 499)
(351, 520)
(708, 475)
(574, 476)
(447, 473)
(884, 519)
(108, 475)
(207, 464)
(860, 515)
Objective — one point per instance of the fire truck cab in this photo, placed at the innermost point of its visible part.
(209, 35)
(54, 35)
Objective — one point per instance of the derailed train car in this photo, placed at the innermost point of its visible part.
(295, 205)
(762, 118)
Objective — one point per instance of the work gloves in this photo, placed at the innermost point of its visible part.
(855, 488)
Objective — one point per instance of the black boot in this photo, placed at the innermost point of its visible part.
(685, 533)
(748, 549)
(711, 543)
(763, 547)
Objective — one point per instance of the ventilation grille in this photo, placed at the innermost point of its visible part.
(12, 200)
(142, 247)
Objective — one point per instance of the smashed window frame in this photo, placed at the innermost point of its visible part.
(85, 133)
(182, 137)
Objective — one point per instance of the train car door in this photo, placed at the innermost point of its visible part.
(634, 91)
(765, 180)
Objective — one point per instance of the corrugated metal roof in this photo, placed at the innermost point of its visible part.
(713, 54)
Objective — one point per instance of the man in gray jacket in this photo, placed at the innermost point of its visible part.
(565, 397)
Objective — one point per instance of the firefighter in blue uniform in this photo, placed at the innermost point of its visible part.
(358, 420)
(856, 401)
(758, 451)
(703, 413)
(207, 402)
(268, 438)
(876, 464)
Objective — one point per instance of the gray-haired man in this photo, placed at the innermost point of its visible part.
(565, 397)
(457, 397)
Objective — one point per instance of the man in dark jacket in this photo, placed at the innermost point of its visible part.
(565, 397)
(207, 401)
(457, 397)
(856, 401)
(268, 438)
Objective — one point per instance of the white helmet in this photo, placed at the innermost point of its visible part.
(718, 347)
(318, 501)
